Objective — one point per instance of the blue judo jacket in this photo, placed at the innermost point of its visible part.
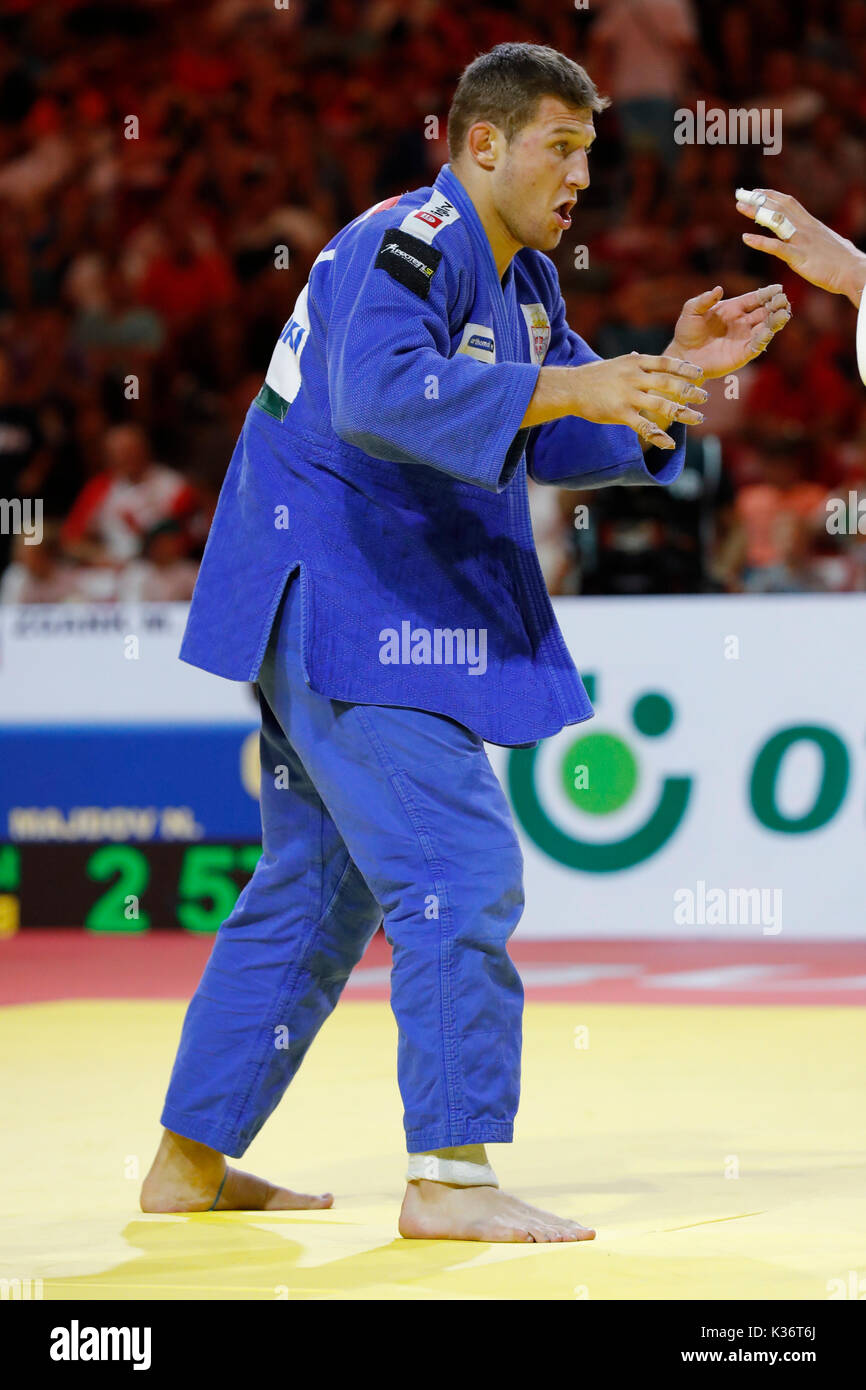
(384, 460)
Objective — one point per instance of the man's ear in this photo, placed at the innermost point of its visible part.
(484, 143)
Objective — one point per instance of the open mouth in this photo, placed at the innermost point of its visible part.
(562, 213)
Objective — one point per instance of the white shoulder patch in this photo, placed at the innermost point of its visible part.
(427, 222)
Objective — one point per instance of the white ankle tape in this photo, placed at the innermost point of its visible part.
(457, 1172)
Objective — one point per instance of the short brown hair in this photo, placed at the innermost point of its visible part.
(506, 85)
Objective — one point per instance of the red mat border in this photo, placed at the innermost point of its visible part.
(37, 966)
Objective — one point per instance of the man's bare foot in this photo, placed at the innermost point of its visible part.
(186, 1176)
(438, 1211)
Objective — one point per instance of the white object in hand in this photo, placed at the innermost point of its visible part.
(776, 221)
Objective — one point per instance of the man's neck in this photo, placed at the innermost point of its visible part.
(502, 243)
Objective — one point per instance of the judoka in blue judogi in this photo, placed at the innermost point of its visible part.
(371, 568)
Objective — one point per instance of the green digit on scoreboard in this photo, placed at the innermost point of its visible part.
(119, 908)
(248, 857)
(207, 885)
(10, 869)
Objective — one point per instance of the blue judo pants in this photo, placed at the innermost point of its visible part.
(369, 813)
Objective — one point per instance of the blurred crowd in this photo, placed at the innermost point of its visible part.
(169, 170)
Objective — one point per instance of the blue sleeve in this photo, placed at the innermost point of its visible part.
(580, 454)
(395, 390)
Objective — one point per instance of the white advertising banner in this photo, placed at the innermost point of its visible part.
(108, 663)
(719, 792)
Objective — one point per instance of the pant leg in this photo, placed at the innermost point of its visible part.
(424, 818)
(279, 962)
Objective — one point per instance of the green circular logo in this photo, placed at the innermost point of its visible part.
(599, 773)
(653, 714)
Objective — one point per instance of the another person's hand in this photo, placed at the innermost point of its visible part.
(814, 251)
(722, 335)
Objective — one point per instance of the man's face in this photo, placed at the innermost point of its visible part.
(536, 181)
(126, 452)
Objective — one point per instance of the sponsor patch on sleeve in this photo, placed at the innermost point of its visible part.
(428, 221)
(408, 261)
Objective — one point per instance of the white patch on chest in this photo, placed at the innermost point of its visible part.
(478, 341)
(538, 327)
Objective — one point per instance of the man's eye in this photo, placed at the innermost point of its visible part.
(561, 145)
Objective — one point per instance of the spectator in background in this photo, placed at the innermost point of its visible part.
(118, 506)
(641, 54)
(842, 536)
(111, 320)
(163, 574)
(800, 396)
(826, 160)
(796, 569)
(776, 520)
(784, 91)
(188, 275)
(40, 574)
(261, 126)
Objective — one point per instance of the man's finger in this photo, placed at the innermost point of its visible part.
(760, 340)
(770, 324)
(769, 209)
(676, 388)
(759, 197)
(776, 220)
(672, 410)
(774, 195)
(702, 303)
(779, 301)
(676, 365)
(758, 299)
(769, 244)
(649, 432)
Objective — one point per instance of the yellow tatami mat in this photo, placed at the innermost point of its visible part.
(720, 1152)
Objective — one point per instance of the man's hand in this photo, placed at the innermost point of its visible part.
(814, 251)
(722, 335)
(616, 392)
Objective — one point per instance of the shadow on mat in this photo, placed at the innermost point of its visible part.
(206, 1255)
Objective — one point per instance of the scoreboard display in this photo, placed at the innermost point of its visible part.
(122, 887)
